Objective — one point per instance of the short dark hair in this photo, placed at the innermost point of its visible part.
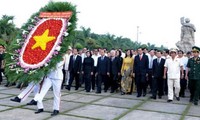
(159, 51)
(144, 48)
(188, 53)
(167, 51)
(180, 51)
(2, 45)
(140, 48)
(151, 50)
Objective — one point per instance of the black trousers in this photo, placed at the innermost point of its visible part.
(183, 83)
(88, 80)
(157, 86)
(74, 75)
(94, 78)
(114, 81)
(194, 86)
(141, 84)
(102, 78)
(63, 82)
(149, 82)
(165, 86)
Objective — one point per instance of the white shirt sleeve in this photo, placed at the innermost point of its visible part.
(181, 62)
(166, 63)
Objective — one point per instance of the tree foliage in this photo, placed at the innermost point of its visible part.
(109, 41)
(8, 30)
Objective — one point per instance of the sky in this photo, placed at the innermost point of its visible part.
(158, 21)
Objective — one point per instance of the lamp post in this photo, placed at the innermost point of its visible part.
(137, 33)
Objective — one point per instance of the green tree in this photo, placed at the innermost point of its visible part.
(92, 40)
(78, 46)
(8, 31)
(90, 43)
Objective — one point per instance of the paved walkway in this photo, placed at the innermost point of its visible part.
(79, 105)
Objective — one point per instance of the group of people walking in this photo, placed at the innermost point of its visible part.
(164, 72)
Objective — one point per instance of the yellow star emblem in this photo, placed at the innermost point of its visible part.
(41, 41)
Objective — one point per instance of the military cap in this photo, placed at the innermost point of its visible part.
(173, 50)
(195, 49)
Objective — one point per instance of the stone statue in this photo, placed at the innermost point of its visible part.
(187, 35)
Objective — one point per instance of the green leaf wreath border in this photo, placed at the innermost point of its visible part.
(13, 71)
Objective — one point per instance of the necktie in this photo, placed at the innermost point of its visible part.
(140, 57)
(151, 61)
(74, 58)
(102, 58)
(112, 58)
(158, 60)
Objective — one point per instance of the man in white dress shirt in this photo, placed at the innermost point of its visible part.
(173, 66)
(95, 56)
(166, 56)
(66, 66)
(183, 81)
(151, 57)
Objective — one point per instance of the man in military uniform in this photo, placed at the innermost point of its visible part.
(193, 74)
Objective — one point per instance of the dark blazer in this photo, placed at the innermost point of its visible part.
(121, 62)
(103, 66)
(158, 69)
(75, 66)
(141, 66)
(88, 65)
(115, 66)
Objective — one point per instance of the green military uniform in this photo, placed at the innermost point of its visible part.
(194, 76)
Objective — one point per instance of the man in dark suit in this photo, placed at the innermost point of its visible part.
(103, 71)
(141, 66)
(75, 63)
(157, 74)
(114, 71)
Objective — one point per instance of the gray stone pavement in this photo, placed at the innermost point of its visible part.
(79, 105)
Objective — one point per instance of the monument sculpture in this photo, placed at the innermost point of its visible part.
(187, 35)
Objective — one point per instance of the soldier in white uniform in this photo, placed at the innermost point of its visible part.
(54, 78)
(26, 92)
(173, 66)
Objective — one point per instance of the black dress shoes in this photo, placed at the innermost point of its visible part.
(16, 99)
(169, 101)
(39, 111)
(98, 92)
(191, 100)
(178, 98)
(112, 91)
(153, 97)
(160, 97)
(138, 95)
(67, 87)
(144, 94)
(195, 103)
(122, 93)
(76, 88)
(32, 102)
(55, 112)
